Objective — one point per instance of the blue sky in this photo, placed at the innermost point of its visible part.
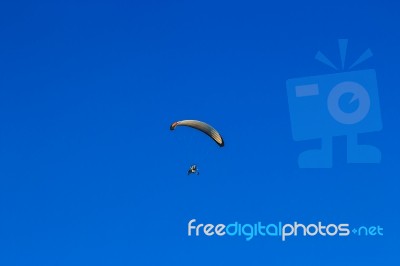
(91, 175)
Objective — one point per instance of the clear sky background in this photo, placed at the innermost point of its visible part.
(90, 173)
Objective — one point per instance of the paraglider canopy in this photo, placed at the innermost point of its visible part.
(203, 127)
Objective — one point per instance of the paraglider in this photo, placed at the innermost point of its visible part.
(203, 127)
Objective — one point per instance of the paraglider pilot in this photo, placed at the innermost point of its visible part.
(193, 170)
